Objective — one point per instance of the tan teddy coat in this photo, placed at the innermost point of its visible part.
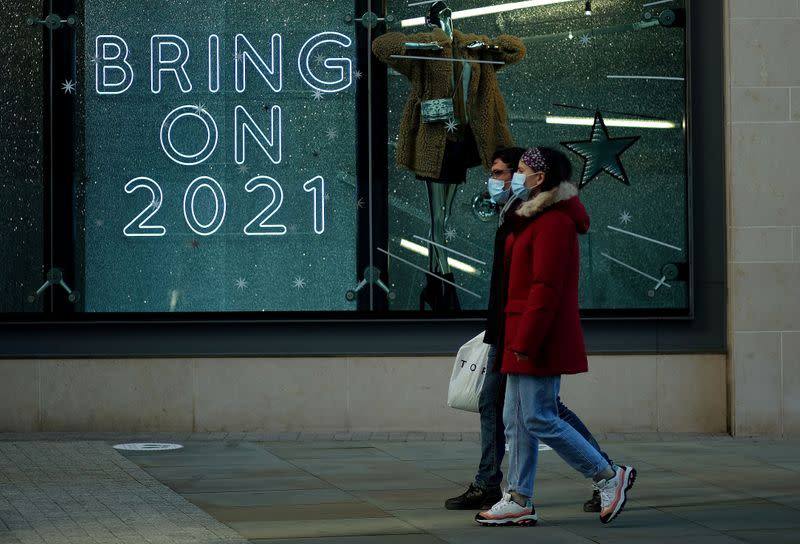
(420, 146)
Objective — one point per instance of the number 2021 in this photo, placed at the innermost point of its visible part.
(258, 226)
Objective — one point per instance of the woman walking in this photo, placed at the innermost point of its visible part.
(542, 339)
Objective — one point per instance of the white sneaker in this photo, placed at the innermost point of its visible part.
(614, 492)
(507, 512)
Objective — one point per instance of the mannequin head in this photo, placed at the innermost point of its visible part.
(440, 15)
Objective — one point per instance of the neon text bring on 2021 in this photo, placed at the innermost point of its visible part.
(169, 55)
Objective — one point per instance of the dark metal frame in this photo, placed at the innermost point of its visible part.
(239, 334)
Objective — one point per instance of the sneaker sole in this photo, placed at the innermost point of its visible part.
(523, 521)
(617, 511)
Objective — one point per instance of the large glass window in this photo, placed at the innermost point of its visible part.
(257, 157)
(22, 110)
(219, 153)
(607, 87)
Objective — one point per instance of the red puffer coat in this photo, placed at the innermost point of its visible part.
(541, 273)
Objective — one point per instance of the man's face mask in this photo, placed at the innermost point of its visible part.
(497, 193)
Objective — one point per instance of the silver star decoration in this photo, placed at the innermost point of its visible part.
(585, 39)
(625, 217)
(238, 56)
(241, 283)
(332, 134)
(68, 87)
(320, 58)
(361, 203)
(94, 59)
(327, 196)
(243, 169)
(450, 233)
(359, 74)
(200, 107)
(451, 125)
(317, 94)
(299, 283)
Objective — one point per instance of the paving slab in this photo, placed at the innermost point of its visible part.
(84, 492)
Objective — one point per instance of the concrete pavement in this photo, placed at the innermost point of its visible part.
(366, 488)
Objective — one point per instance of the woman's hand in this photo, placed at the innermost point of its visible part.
(521, 356)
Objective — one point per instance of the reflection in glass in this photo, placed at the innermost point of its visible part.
(609, 90)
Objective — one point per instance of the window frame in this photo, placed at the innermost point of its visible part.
(34, 335)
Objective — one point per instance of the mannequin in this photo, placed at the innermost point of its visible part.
(440, 148)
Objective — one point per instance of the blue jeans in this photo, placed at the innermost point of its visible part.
(490, 407)
(530, 415)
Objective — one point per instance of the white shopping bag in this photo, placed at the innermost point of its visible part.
(469, 372)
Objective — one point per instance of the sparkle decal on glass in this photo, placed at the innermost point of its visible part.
(299, 283)
(451, 250)
(68, 87)
(601, 153)
(659, 282)
(451, 125)
(428, 272)
(657, 78)
(625, 217)
(241, 284)
(647, 239)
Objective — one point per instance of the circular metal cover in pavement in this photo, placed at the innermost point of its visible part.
(147, 446)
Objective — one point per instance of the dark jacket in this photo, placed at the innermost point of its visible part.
(541, 269)
(497, 286)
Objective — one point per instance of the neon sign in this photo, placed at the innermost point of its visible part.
(170, 58)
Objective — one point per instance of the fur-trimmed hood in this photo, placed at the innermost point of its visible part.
(565, 198)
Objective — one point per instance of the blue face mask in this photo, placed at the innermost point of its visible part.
(498, 194)
(518, 186)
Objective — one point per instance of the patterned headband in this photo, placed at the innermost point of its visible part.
(534, 158)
